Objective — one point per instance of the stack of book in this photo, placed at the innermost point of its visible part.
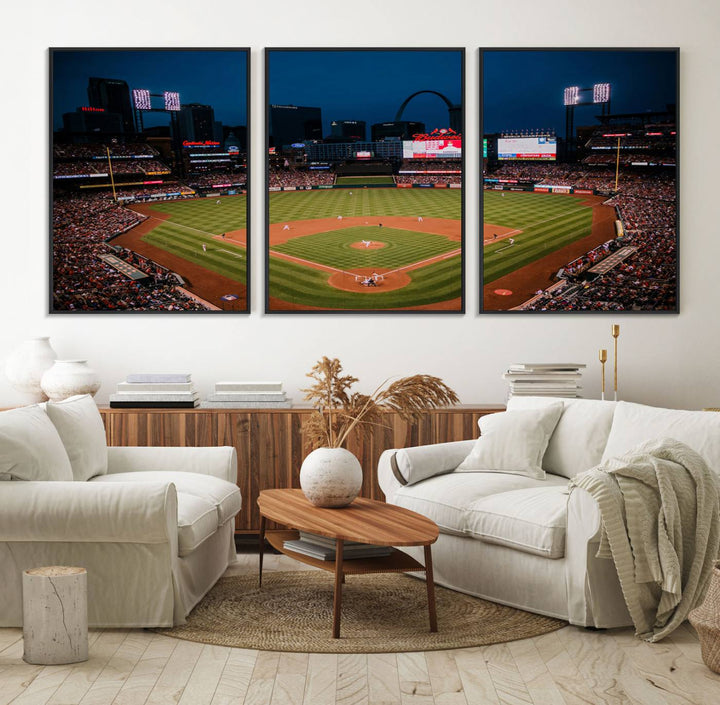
(544, 379)
(247, 395)
(156, 391)
(323, 548)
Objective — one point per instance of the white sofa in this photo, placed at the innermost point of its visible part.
(154, 527)
(527, 541)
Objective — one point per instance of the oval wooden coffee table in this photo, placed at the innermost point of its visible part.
(366, 521)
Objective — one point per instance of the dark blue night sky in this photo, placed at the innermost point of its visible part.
(216, 78)
(367, 85)
(524, 89)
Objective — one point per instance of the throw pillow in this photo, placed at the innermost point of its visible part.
(80, 426)
(411, 465)
(513, 442)
(30, 447)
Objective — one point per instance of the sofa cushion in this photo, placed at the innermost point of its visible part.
(223, 495)
(634, 424)
(513, 442)
(446, 499)
(30, 447)
(81, 429)
(580, 437)
(532, 520)
(197, 521)
(421, 462)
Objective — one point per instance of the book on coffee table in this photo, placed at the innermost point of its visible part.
(327, 553)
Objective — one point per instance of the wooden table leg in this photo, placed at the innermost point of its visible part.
(430, 588)
(337, 597)
(261, 548)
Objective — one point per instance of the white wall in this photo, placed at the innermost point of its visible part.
(664, 359)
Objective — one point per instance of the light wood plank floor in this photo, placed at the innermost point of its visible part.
(567, 667)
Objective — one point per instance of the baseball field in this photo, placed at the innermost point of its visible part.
(203, 240)
(365, 249)
(528, 237)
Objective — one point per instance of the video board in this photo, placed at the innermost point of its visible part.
(432, 149)
(527, 148)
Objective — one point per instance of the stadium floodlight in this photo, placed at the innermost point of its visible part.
(172, 100)
(141, 99)
(601, 93)
(572, 95)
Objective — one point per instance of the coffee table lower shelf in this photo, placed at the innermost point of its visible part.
(396, 562)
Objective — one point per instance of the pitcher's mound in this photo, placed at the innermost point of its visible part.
(368, 245)
(348, 282)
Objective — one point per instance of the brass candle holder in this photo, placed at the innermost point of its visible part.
(603, 360)
(615, 330)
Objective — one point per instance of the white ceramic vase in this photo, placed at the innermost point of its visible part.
(25, 367)
(331, 477)
(66, 378)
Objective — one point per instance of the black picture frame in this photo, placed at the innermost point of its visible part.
(359, 281)
(144, 143)
(553, 273)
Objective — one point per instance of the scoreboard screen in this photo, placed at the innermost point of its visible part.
(141, 99)
(432, 149)
(527, 148)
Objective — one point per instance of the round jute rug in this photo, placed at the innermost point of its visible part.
(380, 613)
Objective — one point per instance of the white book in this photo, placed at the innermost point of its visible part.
(246, 404)
(550, 376)
(161, 377)
(328, 554)
(248, 396)
(248, 387)
(546, 366)
(133, 387)
(325, 540)
(153, 396)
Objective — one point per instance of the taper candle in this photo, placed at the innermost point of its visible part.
(615, 330)
(603, 360)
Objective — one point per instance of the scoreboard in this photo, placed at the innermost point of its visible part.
(433, 149)
(527, 148)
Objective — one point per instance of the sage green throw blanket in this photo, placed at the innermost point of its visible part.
(659, 508)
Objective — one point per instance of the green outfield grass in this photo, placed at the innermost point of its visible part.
(192, 223)
(308, 287)
(360, 180)
(329, 203)
(547, 221)
(305, 286)
(333, 248)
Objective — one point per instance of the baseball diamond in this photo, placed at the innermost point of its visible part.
(326, 245)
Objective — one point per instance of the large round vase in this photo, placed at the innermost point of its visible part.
(66, 378)
(331, 477)
(25, 367)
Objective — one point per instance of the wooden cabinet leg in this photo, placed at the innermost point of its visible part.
(429, 580)
(337, 597)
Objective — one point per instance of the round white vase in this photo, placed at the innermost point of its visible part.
(25, 366)
(66, 378)
(331, 477)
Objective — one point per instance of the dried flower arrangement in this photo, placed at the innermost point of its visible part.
(338, 410)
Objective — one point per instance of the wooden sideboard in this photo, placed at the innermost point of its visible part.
(270, 444)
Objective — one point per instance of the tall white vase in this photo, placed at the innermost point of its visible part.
(25, 366)
(66, 378)
(331, 477)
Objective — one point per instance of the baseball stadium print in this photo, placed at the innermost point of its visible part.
(580, 180)
(365, 169)
(149, 161)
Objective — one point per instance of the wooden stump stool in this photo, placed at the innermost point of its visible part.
(55, 625)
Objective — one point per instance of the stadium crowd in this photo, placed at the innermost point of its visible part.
(82, 281)
(295, 177)
(647, 279)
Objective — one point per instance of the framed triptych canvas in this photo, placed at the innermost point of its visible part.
(364, 180)
(149, 180)
(579, 180)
